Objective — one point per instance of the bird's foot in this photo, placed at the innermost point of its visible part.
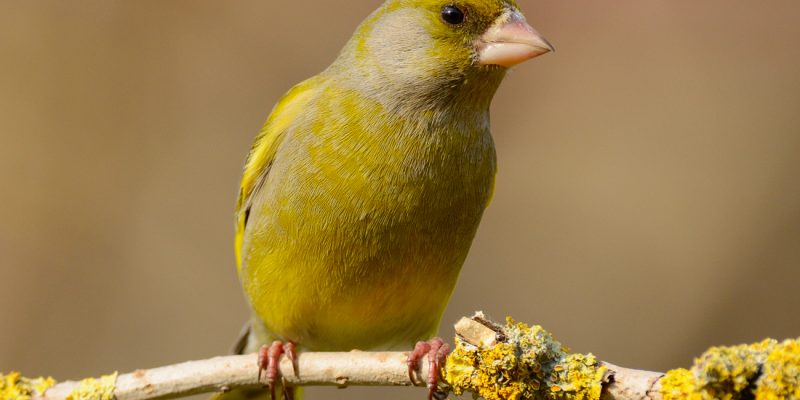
(436, 350)
(269, 358)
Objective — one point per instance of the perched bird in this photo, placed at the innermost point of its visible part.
(364, 189)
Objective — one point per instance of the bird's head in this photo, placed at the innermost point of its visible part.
(440, 47)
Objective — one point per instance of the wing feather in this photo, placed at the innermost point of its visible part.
(263, 153)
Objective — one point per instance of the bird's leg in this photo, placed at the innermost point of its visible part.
(436, 350)
(269, 357)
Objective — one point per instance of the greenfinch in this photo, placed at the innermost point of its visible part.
(364, 189)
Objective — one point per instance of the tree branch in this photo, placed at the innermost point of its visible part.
(496, 362)
(318, 369)
(224, 373)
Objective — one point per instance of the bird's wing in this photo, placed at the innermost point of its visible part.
(263, 152)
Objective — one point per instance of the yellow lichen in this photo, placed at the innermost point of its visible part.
(14, 386)
(95, 389)
(722, 372)
(529, 364)
(765, 370)
(579, 376)
(679, 384)
(780, 378)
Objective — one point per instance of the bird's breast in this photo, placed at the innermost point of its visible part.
(368, 221)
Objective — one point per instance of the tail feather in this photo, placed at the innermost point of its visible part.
(240, 346)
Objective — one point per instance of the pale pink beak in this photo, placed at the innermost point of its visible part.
(510, 41)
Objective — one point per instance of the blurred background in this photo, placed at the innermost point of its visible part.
(647, 204)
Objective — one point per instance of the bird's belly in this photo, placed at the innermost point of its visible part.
(375, 287)
(362, 251)
(391, 311)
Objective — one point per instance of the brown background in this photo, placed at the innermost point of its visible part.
(647, 204)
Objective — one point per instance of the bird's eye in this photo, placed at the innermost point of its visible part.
(452, 15)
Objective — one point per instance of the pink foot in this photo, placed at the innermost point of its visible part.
(269, 358)
(436, 350)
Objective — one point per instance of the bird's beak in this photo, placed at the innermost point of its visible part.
(509, 41)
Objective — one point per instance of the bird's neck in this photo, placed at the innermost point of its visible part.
(460, 92)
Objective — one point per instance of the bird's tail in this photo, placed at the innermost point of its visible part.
(249, 342)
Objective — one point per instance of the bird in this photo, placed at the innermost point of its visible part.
(364, 189)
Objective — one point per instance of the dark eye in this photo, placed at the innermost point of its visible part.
(452, 15)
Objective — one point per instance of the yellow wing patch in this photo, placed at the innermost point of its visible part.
(262, 154)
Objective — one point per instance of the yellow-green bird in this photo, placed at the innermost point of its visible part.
(364, 189)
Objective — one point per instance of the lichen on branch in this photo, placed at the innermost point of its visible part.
(522, 362)
(767, 370)
(15, 386)
(95, 388)
(513, 361)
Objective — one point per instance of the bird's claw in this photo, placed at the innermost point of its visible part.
(436, 350)
(269, 357)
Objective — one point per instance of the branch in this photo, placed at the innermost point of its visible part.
(512, 361)
(318, 369)
(225, 373)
